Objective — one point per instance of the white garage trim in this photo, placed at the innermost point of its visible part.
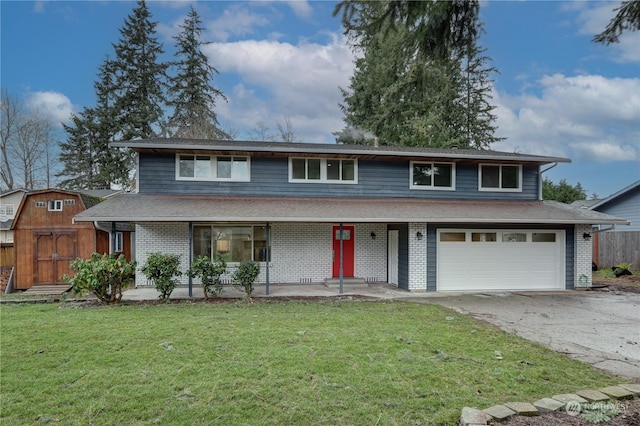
(500, 259)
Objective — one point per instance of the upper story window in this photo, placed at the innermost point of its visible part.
(497, 177)
(209, 167)
(433, 175)
(55, 205)
(6, 209)
(323, 170)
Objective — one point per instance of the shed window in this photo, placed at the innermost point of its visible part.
(55, 205)
(41, 204)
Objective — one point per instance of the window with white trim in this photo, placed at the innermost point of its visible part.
(432, 175)
(234, 243)
(324, 170)
(210, 167)
(6, 209)
(500, 177)
(55, 205)
(118, 242)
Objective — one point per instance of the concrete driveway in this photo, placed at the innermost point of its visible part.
(602, 329)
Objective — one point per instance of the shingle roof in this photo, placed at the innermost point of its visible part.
(328, 149)
(172, 208)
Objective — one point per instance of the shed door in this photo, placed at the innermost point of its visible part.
(54, 252)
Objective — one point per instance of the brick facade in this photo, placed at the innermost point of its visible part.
(417, 257)
(583, 253)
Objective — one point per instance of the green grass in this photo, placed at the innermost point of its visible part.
(292, 363)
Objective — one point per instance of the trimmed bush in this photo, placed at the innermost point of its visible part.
(103, 275)
(245, 276)
(161, 269)
(209, 272)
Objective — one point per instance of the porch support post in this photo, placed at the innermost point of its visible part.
(190, 257)
(268, 230)
(341, 260)
(112, 237)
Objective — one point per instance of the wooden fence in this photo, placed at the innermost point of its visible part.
(6, 256)
(617, 247)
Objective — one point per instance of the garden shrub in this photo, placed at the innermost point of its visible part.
(209, 272)
(245, 276)
(103, 275)
(161, 268)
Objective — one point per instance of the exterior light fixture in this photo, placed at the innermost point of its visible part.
(586, 236)
(419, 235)
(373, 235)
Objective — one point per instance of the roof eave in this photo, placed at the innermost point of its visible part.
(289, 148)
(294, 219)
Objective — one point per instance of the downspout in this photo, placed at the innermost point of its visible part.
(540, 179)
(108, 231)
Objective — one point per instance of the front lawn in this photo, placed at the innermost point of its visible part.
(266, 363)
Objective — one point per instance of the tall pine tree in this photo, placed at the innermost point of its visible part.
(421, 80)
(193, 96)
(140, 79)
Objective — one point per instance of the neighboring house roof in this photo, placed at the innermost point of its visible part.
(102, 193)
(585, 203)
(181, 208)
(615, 196)
(370, 151)
(13, 191)
(5, 226)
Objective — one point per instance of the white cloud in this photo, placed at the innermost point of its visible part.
(582, 117)
(52, 105)
(285, 80)
(302, 8)
(594, 19)
(236, 20)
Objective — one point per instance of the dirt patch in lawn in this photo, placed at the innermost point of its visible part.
(629, 416)
(627, 283)
(227, 300)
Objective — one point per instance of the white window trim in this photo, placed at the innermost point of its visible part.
(323, 171)
(500, 189)
(213, 165)
(432, 187)
(57, 205)
(7, 210)
(118, 242)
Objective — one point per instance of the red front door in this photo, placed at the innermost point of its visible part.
(347, 251)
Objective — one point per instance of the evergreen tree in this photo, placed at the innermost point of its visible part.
(193, 96)
(563, 191)
(421, 80)
(627, 18)
(139, 79)
(79, 153)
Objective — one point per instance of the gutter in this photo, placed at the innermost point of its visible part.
(540, 180)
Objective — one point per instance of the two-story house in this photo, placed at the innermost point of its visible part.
(420, 219)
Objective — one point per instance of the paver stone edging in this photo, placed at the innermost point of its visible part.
(474, 417)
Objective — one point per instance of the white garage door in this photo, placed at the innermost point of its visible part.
(485, 259)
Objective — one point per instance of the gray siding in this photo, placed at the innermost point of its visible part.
(626, 206)
(269, 176)
(403, 254)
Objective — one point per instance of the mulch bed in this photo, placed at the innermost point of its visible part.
(630, 416)
(627, 283)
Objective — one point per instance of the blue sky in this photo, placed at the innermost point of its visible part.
(557, 93)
